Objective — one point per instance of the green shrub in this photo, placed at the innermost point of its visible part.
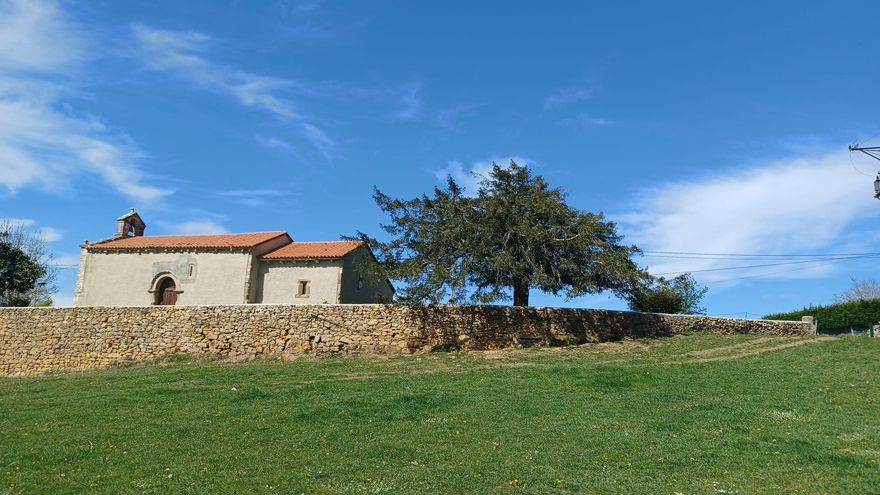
(680, 295)
(838, 318)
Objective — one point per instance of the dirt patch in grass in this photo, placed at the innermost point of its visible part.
(748, 352)
(726, 349)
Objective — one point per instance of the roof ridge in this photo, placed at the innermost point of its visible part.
(219, 233)
(313, 250)
(325, 242)
(241, 240)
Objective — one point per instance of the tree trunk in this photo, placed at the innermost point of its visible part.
(521, 294)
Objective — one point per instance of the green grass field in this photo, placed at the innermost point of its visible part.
(696, 414)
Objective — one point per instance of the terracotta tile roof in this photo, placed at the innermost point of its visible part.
(213, 241)
(312, 250)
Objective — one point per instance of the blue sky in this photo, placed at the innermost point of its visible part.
(697, 126)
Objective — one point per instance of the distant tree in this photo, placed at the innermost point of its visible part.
(859, 290)
(517, 234)
(19, 244)
(19, 275)
(680, 295)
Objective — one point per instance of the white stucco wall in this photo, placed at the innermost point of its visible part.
(253, 280)
(277, 281)
(351, 293)
(123, 278)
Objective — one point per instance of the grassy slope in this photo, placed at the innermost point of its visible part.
(632, 417)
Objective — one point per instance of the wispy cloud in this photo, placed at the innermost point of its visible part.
(43, 142)
(253, 197)
(319, 139)
(273, 143)
(801, 204)
(469, 178)
(307, 22)
(278, 145)
(447, 118)
(410, 102)
(62, 300)
(37, 36)
(184, 53)
(410, 106)
(66, 259)
(48, 234)
(566, 96)
(181, 52)
(586, 120)
(194, 227)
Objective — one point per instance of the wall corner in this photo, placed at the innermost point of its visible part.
(812, 323)
(79, 289)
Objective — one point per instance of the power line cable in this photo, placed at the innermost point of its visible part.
(779, 272)
(744, 257)
(763, 265)
(788, 255)
(857, 168)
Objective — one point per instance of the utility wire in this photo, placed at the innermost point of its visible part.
(779, 272)
(759, 254)
(744, 258)
(769, 264)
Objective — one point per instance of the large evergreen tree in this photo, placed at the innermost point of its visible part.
(517, 234)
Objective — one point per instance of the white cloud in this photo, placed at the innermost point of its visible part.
(447, 117)
(42, 142)
(319, 139)
(36, 36)
(410, 102)
(803, 204)
(18, 222)
(278, 145)
(62, 300)
(48, 234)
(253, 197)
(566, 96)
(180, 52)
(66, 259)
(469, 179)
(587, 120)
(273, 143)
(195, 227)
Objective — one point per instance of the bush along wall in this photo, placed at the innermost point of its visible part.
(839, 318)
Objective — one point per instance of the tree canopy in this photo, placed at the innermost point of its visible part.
(19, 274)
(516, 234)
(859, 290)
(26, 274)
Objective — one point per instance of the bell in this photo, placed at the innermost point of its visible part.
(877, 187)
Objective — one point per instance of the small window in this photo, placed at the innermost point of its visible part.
(302, 288)
(360, 283)
(191, 271)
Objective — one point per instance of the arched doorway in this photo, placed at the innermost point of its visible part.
(166, 292)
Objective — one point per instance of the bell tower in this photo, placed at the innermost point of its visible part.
(129, 225)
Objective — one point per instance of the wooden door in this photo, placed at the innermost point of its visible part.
(167, 292)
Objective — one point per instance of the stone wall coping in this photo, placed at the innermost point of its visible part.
(464, 306)
(41, 340)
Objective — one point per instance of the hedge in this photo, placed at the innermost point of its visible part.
(838, 318)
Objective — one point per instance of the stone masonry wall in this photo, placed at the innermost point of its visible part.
(39, 340)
